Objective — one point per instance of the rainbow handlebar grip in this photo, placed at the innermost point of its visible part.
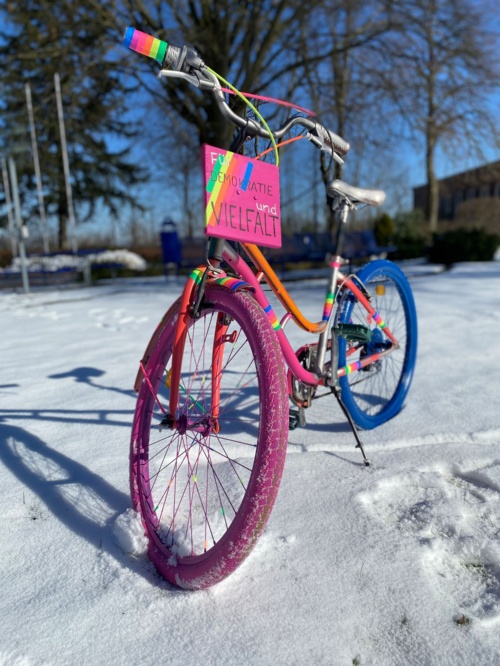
(145, 44)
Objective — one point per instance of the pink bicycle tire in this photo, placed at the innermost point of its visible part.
(206, 459)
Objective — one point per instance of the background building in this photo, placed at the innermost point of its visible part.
(470, 199)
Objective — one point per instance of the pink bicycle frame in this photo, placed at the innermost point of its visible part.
(241, 268)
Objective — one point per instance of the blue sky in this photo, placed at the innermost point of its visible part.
(397, 172)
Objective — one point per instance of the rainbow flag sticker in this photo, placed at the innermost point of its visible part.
(145, 44)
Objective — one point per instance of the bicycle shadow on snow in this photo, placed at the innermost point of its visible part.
(80, 499)
(85, 375)
(240, 405)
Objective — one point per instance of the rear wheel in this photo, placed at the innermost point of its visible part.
(376, 393)
(205, 488)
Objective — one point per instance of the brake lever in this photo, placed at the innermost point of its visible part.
(172, 74)
(316, 141)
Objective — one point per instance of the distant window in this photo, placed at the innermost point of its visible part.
(447, 206)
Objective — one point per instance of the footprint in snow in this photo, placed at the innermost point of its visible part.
(114, 320)
(454, 513)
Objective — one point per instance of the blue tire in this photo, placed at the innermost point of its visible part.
(376, 393)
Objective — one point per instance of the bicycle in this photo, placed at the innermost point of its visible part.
(209, 435)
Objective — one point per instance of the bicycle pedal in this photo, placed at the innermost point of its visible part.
(354, 332)
(296, 417)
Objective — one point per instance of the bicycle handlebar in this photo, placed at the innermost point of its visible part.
(187, 64)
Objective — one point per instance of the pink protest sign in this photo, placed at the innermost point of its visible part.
(242, 198)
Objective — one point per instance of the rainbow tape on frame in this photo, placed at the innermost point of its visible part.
(329, 302)
(272, 318)
(352, 367)
(196, 275)
(233, 283)
(358, 365)
(378, 320)
(145, 44)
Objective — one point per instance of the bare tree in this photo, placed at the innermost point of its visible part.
(439, 69)
(343, 87)
(254, 44)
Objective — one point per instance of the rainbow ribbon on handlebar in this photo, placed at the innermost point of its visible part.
(145, 44)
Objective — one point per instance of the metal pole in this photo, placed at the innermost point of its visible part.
(64, 150)
(38, 175)
(8, 203)
(17, 209)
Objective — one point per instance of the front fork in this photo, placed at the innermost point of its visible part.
(189, 309)
(220, 340)
(180, 335)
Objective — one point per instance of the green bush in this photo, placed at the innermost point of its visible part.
(383, 229)
(463, 245)
(408, 246)
(409, 236)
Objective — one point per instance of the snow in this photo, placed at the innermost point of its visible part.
(56, 262)
(397, 564)
(129, 533)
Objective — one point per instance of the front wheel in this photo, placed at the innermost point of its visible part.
(376, 393)
(205, 488)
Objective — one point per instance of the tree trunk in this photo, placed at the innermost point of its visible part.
(63, 228)
(432, 203)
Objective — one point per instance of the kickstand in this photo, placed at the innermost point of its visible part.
(359, 444)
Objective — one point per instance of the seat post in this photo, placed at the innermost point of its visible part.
(341, 213)
(340, 208)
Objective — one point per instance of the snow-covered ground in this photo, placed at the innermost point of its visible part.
(394, 564)
(55, 262)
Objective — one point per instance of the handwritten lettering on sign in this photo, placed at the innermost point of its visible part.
(242, 198)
